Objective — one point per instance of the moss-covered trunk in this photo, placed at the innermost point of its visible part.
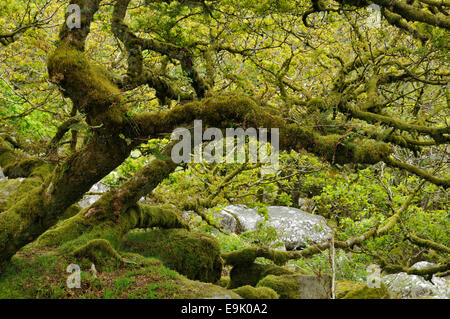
(35, 212)
(92, 93)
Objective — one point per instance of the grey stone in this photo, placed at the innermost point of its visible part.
(227, 221)
(88, 200)
(298, 228)
(248, 217)
(408, 286)
(2, 176)
(413, 286)
(442, 287)
(312, 287)
(99, 187)
(423, 265)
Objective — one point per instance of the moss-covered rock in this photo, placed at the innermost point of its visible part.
(7, 187)
(97, 251)
(249, 292)
(195, 255)
(14, 189)
(346, 289)
(242, 274)
(224, 281)
(23, 168)
(298, 286)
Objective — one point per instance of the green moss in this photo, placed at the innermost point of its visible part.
(249, 292)
(88, 86)
(7, 158)
(346, 289)
(199, 290)
(298, 286)
(15, 170)
(193, 254)
(223, 282)
(26, 277)
(98, 251)
(42, 274)
(7, 153)
(316, 104)
(7, 187)
(371, 151)
(25, 167)
(42, 170)
(71, 211)
(22, 222)
(23, 189)
(287, 288)
(13, 190)
(343, 287)
(64, 231)
(159, 216)
(85, 84)
(78, 230)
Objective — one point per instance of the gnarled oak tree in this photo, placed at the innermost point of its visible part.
(360, 99)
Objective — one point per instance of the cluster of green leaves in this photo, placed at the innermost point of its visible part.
(355, 202)
(352, 201)
(137, 160)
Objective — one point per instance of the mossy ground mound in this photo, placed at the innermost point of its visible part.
(298, 286)
(42, 274)
(346, 289)
(249, 292)
(195, 255)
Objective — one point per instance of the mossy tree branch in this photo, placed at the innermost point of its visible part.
(28, 218)
(118, 210)
(61, 131)
(240, 111)
(79, 229)
(437, 133)
(248, 255)
(397, 214)
(118, 201)
(422, 242)
(135, 45)
(412, 13)
(407, 11)
(392, 269)
(398, 21)
(391, 161)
